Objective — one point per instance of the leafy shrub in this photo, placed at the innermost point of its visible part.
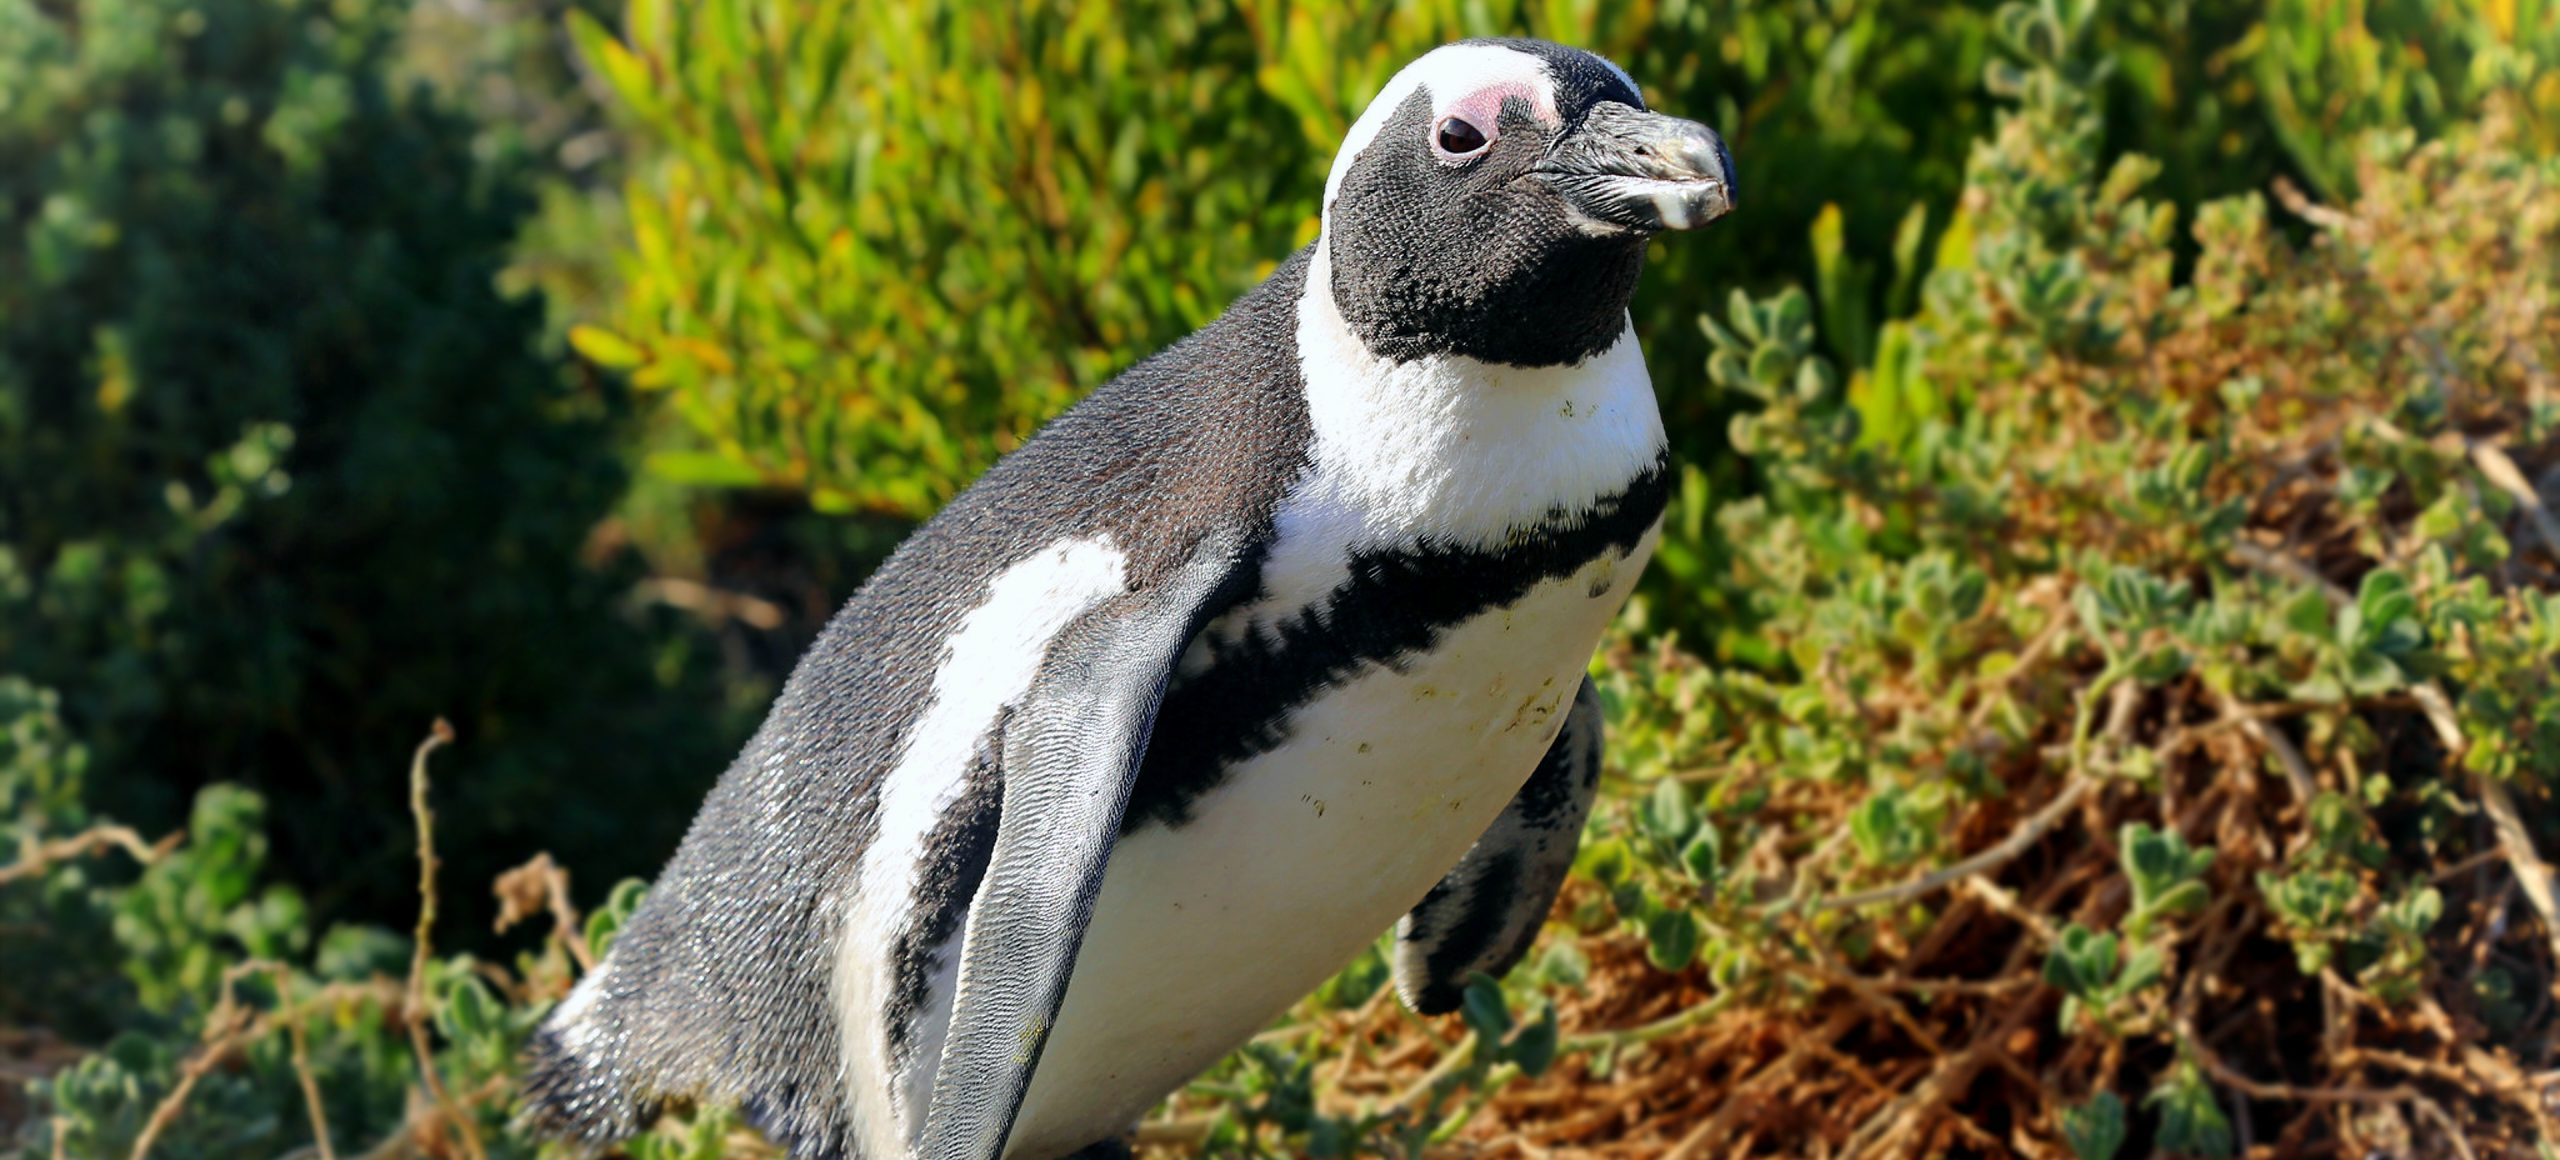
(882, 241)
(281, 475)
(232, 1030)
(872, 246)
(2110, 630)
(2334, 70)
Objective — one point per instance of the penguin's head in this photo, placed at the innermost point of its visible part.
(1494, 202)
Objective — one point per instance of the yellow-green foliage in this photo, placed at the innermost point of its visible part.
(881, 241)
(2335, 69)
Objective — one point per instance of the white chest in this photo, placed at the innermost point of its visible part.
(1206, 932)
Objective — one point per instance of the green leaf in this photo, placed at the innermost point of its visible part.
(1884, 830)
(1667, 813)
(1605, 862)
(1703, 857)
(1534, 1047)
(606, 922)
(2307, 613)
(629, 77)
(1671, 940)
(2191, 1121)
(702, 469)
(1769, 369)
(1564, 964)
(2082, 962)
(1725, 341)
(1485, 1011)
(2142, 968)
(2095, 1130)
(605, 348)
(467, 1011)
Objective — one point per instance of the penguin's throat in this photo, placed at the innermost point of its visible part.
(1457, 450)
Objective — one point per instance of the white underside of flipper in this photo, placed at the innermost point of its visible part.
(988, 668)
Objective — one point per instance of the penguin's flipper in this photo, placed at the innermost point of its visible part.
(1484, 914)
(1071, 752)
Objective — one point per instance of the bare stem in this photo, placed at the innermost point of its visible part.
(2503, 474)
(302, 1063)
(438, 737)
(2026, 835)
(95, 839)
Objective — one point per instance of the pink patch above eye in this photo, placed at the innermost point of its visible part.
(1483, 107)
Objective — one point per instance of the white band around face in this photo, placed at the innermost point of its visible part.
(1458, 76)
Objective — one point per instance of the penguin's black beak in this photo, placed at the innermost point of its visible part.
(1624, 169)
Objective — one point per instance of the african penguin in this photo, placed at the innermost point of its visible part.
(1275, 640)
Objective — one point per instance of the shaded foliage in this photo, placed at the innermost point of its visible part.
(281, 474)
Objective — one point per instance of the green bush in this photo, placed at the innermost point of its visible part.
(2333, 70)
(874, 244)
(2135, 659)
(281, 474)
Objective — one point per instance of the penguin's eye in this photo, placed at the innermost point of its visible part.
(1459, 137)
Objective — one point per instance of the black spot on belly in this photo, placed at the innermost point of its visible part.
(1395, 604)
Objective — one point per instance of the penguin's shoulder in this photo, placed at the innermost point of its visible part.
(1206, 434)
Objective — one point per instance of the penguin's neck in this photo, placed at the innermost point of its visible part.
(1453, 452)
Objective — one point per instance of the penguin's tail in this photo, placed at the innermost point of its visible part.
(575, 1087)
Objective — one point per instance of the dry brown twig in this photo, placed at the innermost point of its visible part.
(2300, 205)
(439, 736)
(2297, 771)
(540, 885)
(233, 1026)
(2028, 833)
(1904, 1116)
(711, 603)
(302, 1065)
(224, 1031)
(230, 1027)
(96, 839)
(2503, 474)
(2232, 1078)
